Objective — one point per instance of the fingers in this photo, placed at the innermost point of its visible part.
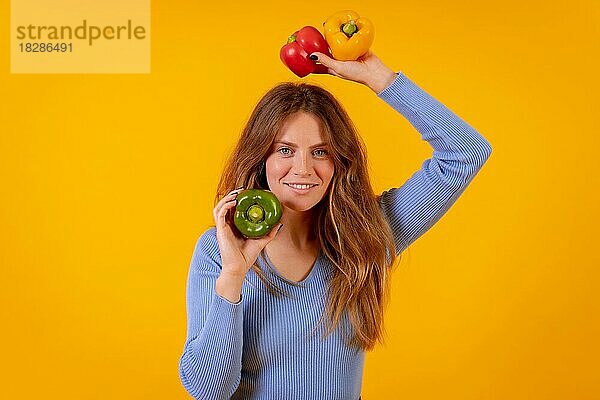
(222, 213)
(327, 65)
(226, 203)
(321, 69)
(262, 242)
(332, 72)
(331, 65)
(274, 232)
(325, 59)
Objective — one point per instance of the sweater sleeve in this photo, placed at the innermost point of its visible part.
(211, 363)
(459, 152)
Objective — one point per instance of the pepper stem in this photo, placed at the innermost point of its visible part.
(291, 39)
(255, 213)
(349, 28)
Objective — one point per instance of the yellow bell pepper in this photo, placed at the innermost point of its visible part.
(348, 35)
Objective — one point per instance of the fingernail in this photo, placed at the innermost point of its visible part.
(314, 57)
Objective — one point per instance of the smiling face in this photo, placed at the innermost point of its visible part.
(299, 156)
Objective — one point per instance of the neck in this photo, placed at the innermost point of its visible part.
(298, 230)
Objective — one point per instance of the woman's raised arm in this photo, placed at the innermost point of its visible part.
(459, 152)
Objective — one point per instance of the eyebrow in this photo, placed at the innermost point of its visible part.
(294, 145)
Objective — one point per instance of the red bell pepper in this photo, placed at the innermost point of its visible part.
(295, 54)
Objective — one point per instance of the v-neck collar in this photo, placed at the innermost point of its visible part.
(304, 281)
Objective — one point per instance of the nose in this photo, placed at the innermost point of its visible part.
(303, 165)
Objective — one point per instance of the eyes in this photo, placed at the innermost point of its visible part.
(321, 153)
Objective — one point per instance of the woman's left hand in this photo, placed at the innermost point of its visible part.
(367, 69)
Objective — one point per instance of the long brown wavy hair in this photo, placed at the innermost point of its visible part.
(350, 226)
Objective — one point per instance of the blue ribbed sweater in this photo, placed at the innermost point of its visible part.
(262, 347)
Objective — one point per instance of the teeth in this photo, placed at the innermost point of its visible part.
(300, 186)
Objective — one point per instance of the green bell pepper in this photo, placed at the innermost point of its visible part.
(256, 212)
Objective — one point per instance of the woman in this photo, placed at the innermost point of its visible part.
(254, 305)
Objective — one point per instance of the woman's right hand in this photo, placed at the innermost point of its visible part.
(237, 253)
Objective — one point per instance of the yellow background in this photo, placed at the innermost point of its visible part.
(108, 180)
